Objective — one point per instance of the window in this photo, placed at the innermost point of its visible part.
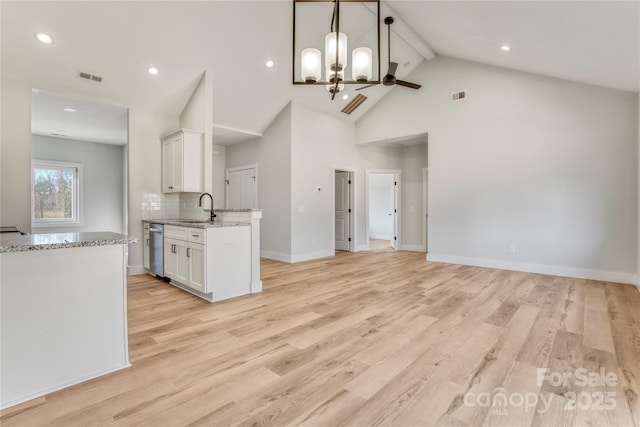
(55, 193)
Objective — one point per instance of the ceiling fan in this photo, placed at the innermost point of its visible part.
(390, 78)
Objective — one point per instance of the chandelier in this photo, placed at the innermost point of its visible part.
(336, 58)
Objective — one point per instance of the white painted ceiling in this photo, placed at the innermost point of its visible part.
(89, 121)
(594, 42)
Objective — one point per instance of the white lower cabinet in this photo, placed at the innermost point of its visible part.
(184, 263)
(215, 262)
(146, 253)
(197, 267)
(170, 258)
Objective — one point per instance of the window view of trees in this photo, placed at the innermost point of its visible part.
(53, 193)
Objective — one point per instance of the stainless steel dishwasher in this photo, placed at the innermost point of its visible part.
(155, 250)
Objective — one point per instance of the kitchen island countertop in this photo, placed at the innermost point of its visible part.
(36, 242)
(196, 223)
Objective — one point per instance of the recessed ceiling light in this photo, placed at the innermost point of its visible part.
(153, 71)
(44, 38)
(269, 64)
(345, 96)
(505, 47)
(70, 110)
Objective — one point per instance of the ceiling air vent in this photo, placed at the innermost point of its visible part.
(355, 103)
(458, 96)
(88, 76)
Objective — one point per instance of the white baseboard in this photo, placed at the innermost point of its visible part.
(413, 248)
(296, 258)
(276, 256)
(380, 236)
(133, 270)
(256, 287)
(361, 248)
(312, 255)
(579, 273)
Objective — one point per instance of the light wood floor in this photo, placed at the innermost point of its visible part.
(367, 339)
(378, 245)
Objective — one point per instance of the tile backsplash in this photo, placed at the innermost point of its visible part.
(172, 206)
(189, 207)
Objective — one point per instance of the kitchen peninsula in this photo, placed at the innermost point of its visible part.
(64, 318)
(213, 260)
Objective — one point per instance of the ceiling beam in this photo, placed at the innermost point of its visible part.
(403, 30)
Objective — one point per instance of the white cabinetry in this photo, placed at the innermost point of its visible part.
(182, 161)
(146, 253)
(213, 262)
(184, 257)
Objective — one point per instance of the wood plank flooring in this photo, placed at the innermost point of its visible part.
(369, 338)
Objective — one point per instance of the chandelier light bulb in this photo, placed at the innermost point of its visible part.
(330, 51)
(311, 65)
(362, 64)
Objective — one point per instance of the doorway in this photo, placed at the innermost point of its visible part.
(343, 210)
(242, 187)
(383, 216)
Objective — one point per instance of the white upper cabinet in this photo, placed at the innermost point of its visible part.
(182, 161)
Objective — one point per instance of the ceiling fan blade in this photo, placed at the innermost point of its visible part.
(367, 86)
(407, 84)
(393, 67)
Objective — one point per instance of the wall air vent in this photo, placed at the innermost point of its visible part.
(458, 96)
(355, 103)
(88, 76)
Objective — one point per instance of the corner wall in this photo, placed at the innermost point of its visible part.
(547, 165)
(320, 143)
(272, 153)
(15, 193)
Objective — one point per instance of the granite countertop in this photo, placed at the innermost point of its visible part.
(238, 210)
(36, 242)
(196, 223)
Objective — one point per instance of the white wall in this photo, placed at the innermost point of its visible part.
(145, 153)
(15, 199)
(381, 206)
(299, 152)
(272, 153)
(102, 184)
(414, 159)
(219, 166)
(547, 165)
(193, 113)
(320, 144)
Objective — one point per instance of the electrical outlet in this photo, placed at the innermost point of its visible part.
(512, 249)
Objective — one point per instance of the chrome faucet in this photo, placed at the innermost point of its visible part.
(213, 215)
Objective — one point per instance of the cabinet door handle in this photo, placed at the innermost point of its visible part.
(188, 252)
(147, 242)
(173, 249)
(170, 188)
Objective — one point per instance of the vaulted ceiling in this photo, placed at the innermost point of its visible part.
(594, 42)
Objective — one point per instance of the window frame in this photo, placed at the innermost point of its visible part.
(76, 219)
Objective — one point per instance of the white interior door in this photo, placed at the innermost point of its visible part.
(342, 209)
(242, 189)
(394, 195)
